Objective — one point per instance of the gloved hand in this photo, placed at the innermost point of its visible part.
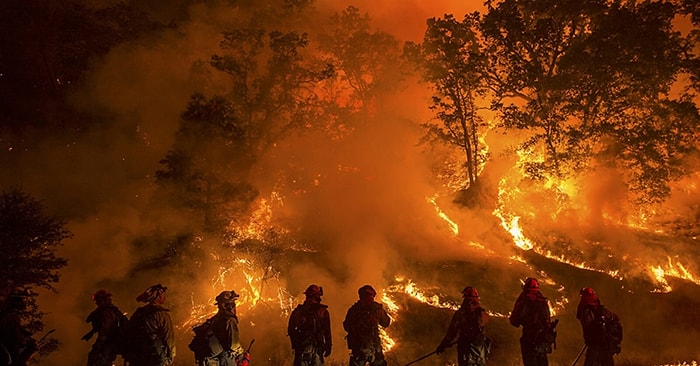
(328, 351)
(87, 336)
(244, 361)
(440, 349)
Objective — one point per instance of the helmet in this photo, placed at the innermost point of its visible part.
(470, 292)
(101, 294)
(587, 291)
(313, 290)
(588, 297)
(151, 293)
(226, 297)
(531, 284)
(366, 290)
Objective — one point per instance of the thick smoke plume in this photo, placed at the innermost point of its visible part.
(363, 207)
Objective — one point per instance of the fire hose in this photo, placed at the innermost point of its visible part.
(579, 355)
(250, 345)
(428, 355)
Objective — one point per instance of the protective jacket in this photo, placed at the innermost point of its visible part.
(151, 337)
(467, 325)
(309, 331)
(596, 321)
(362, 323)
(225, 328)
(531, 311)
(105, 322)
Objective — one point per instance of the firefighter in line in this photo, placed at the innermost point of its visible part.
(151, 333)
(531, 311)
(602, 331)
(225, 329)
(362, 323)
(105, 323)
(16, 343)
(309, 329)
(467, 326)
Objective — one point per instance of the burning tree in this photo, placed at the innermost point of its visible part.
(450, 59)
(219, 139)
(592, 83)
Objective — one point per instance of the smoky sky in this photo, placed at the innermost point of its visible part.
(364, 200)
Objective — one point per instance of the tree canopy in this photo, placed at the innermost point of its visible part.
(29, 238)
(593, 84)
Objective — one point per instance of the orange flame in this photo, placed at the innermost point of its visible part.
(677, 270)
(392, 309)
(453, 226)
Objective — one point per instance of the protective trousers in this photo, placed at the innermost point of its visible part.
(470, 354)
(598, 356)
(531, 355)
(307, 357)
(371, 356)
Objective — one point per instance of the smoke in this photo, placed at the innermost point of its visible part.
(361, 206)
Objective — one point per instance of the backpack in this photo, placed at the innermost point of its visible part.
(204, 344)
(469, 323)
(141, 344)
(304, 326)
(471, 332)
(609, 328)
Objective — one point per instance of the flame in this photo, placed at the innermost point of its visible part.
(252, 284)
(453, 226)
(672, 269)
(411, 289)
(509, 221)
(392, 309)
(508, 193)
(513, 227)
(259, 222)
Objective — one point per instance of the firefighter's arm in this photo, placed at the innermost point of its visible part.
(484, 318)
(327, 334)
(382, 316)
(452, 331)
(348, 321)
(169, 334)
(88, 335)
(515, 315)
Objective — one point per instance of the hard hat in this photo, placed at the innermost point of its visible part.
(531, 283)
(313, 290)
(151, 293)
(100, 294)
(366, 290)
(226, 297)
(587, 291)
(470, 292)
(588, 296)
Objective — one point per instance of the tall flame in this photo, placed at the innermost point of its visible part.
(441, 214)
(392, 309)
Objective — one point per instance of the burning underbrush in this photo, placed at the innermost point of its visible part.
(421, 296)
(644, 270)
